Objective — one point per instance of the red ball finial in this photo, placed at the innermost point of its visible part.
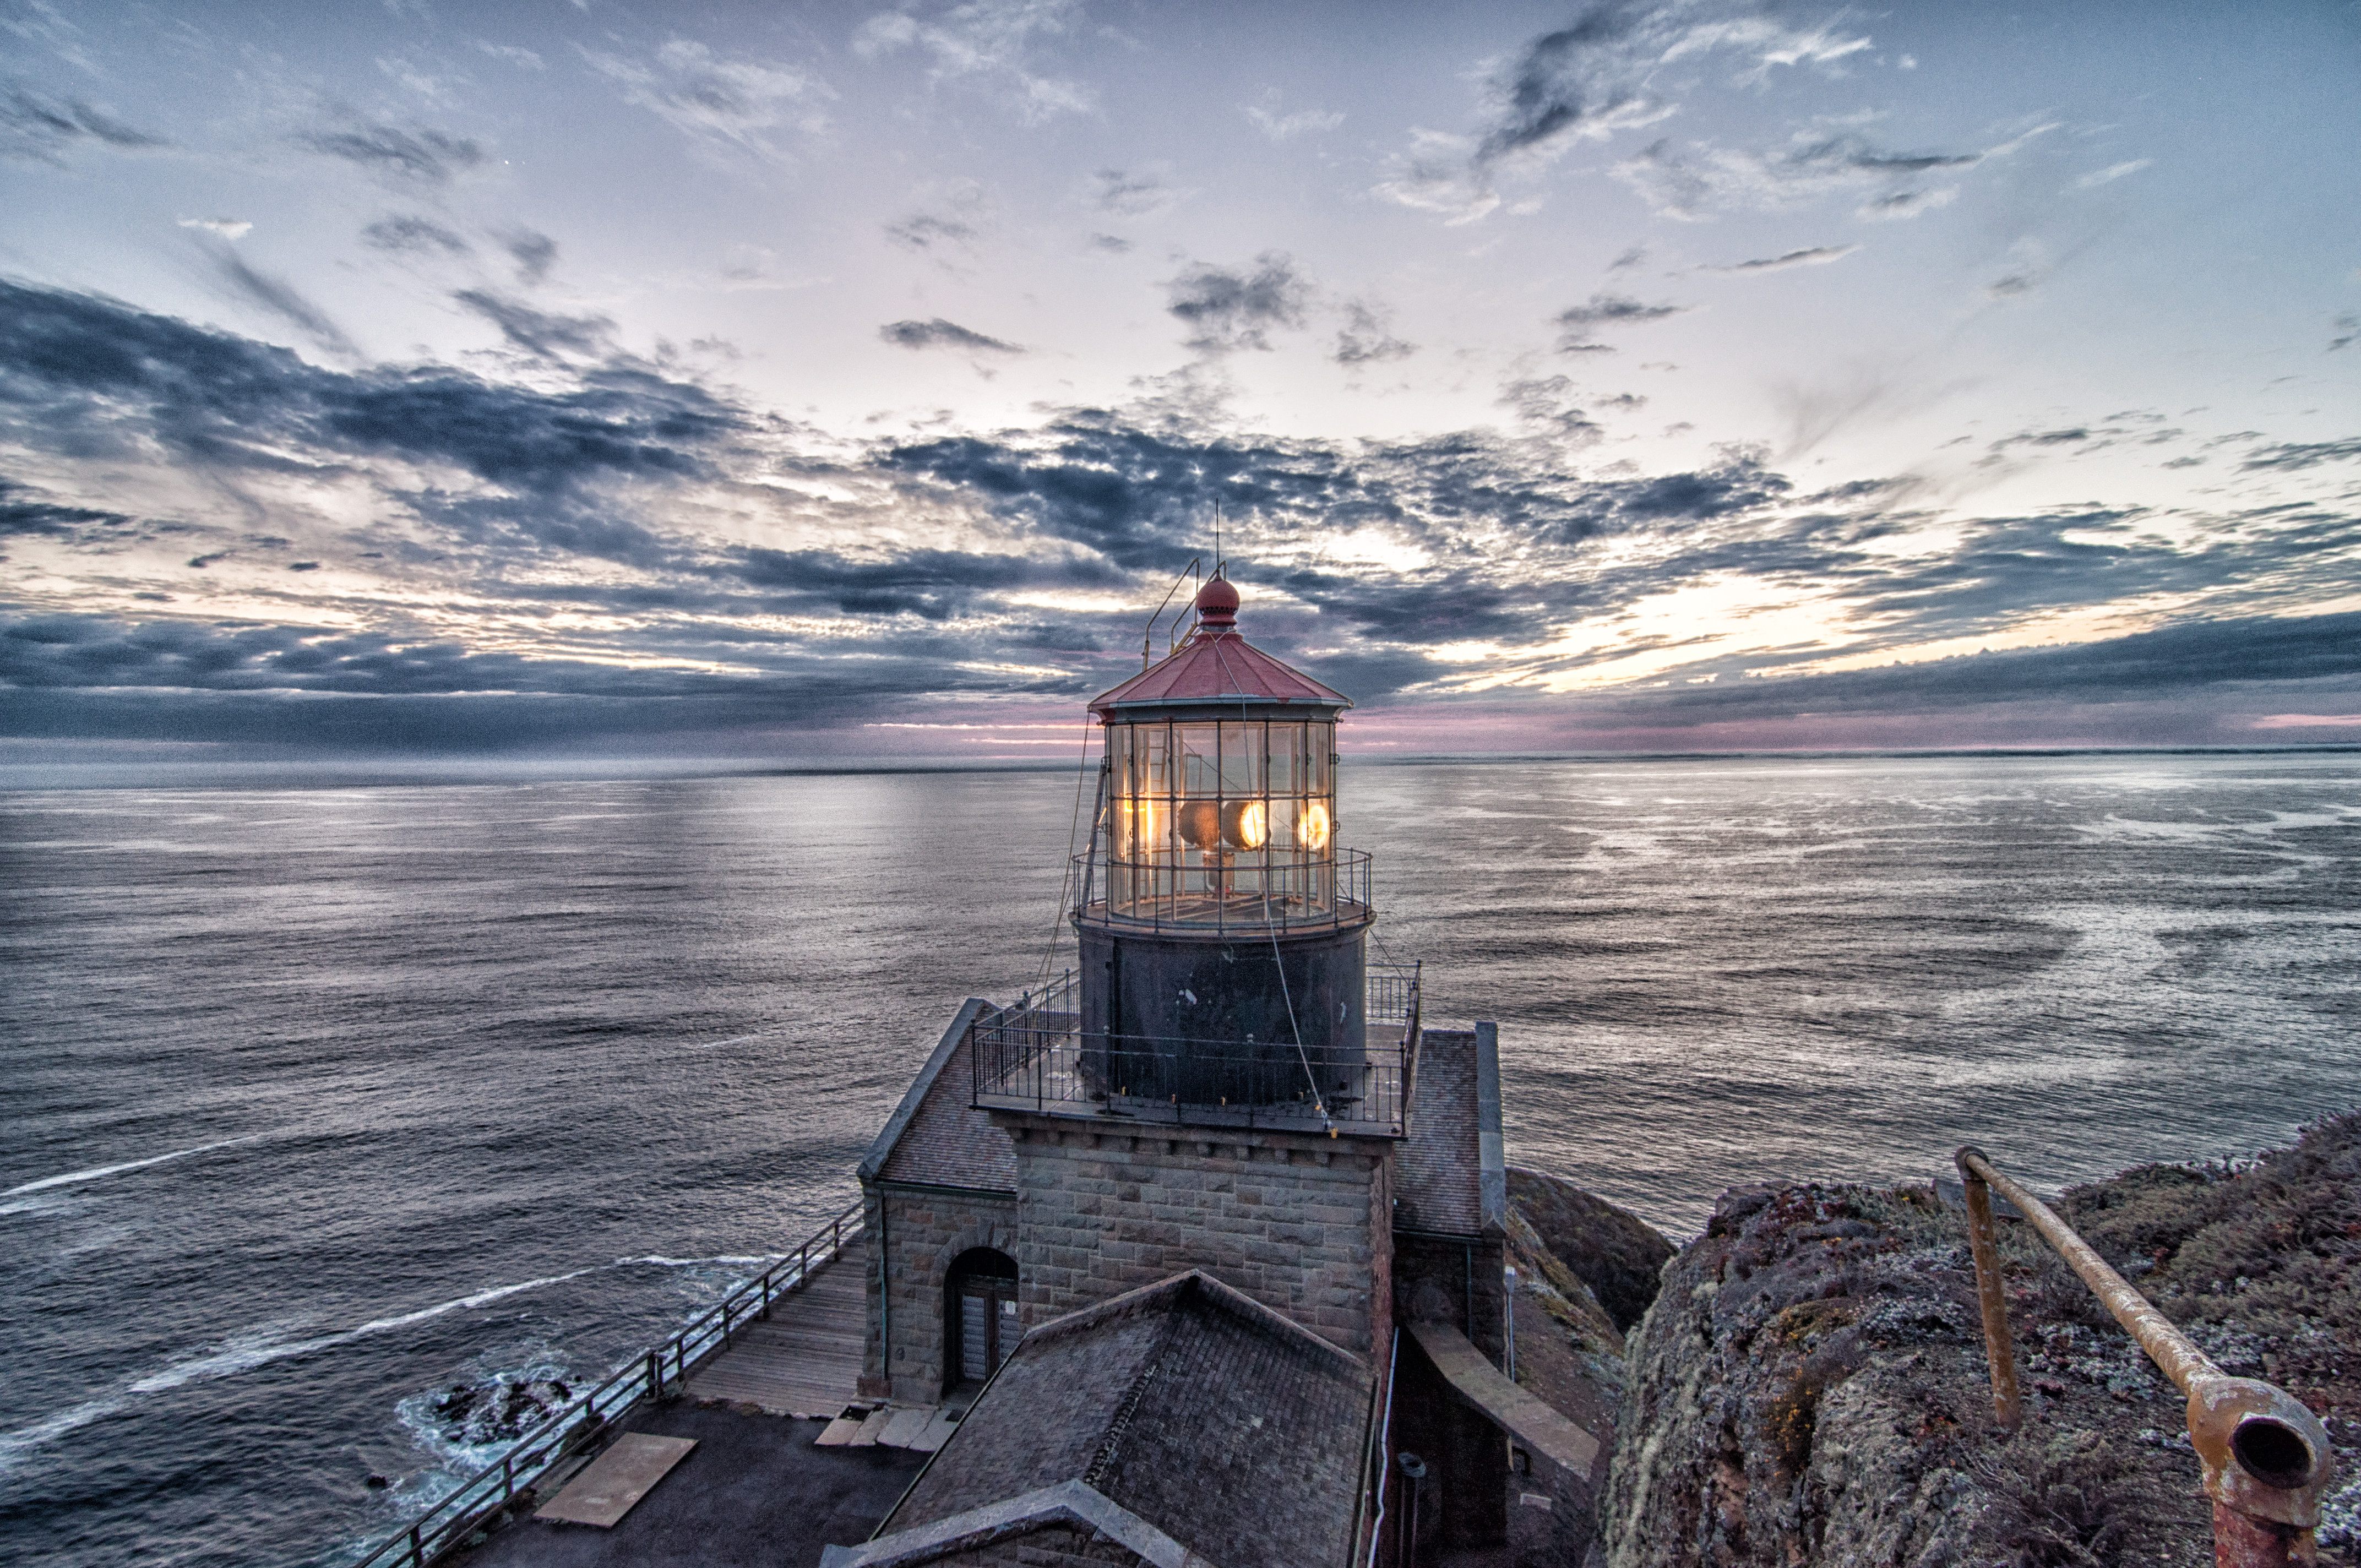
(1217, 603)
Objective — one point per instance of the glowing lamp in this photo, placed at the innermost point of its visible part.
(1246, 823)
(1312, 827)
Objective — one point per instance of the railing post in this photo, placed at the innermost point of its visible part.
(417, 1550)
(2267, 1458)
(1992, 1293)
(655, 1374)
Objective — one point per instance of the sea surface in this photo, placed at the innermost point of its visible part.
(314, 1102)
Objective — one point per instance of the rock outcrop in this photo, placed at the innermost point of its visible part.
(1810, 1385)
(1570, 1250)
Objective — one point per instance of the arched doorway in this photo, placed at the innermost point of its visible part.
(980, 1316)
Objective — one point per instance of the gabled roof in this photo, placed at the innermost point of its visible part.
(1217, 666)
(936, 1137)
(1191, 1407)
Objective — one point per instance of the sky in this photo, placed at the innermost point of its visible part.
(809, 382)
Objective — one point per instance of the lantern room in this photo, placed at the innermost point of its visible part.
(1219, 792)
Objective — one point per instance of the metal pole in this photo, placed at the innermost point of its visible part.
(1992, 1295)
(2267, 1457)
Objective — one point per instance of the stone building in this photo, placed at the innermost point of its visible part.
(1228, 1129)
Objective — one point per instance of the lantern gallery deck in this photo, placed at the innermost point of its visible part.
(805, 1358)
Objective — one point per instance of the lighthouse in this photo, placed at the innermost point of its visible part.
(1222, 928)
(1197, 1217)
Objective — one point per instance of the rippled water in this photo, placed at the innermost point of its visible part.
(318, 1101)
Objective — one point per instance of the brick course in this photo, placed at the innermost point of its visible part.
(1299, 1225)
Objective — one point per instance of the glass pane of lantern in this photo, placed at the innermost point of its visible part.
(1282, 818)
(1286, 758)
(1241, 760)
(1156, 763)
(1200, 767)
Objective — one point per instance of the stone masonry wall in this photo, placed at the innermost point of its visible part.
(923, 1230)
(1299, 1224)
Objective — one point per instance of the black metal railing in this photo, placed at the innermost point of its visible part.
(1036, 1056)
(1273, 891)
(665, 1368)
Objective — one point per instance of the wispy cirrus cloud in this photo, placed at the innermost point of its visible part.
(1615, 68)
(1812, 256)
(732, 104)
(37, 128)
(418, 155)
(987, 44)
(407, 234)
(1698, 180)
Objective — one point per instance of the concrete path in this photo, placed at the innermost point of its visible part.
(756, 1492)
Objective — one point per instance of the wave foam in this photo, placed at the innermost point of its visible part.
(75, 1178)
(245, 1353)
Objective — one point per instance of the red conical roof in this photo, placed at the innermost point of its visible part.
(1217, 665)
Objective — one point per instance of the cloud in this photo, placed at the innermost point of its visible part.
(1817, 255)
(1227, 309)
(1272, 121)
(39, 129)
(1548, 400)
(1367, 337)
(2183, 659)
(226, 228)
(990, 43)
(2111, 173)
(930, 232)
(413, 236)
(419, 156)
(25, 512)
(1603, 74)
(1579, 324)
(1703, 180)
(940, 334)
(2348, 331)
(514, 54)
(602, 552)
(1115, 245)
(82, 374)
(533, 254)
(1128, 194)
(731, 104)
(2289, 456)
(541, 333)
(280, 299)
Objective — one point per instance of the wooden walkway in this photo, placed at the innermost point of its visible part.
(805, 1358)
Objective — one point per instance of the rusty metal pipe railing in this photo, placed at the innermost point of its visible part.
(2267, 1458)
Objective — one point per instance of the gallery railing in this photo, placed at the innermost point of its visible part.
(661, 1370)
(1036, 1056)
(1273, 891)
(2267, 1458)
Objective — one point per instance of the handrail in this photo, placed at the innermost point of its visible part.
(498, 1484)
(1253, 891)
(2267, 1457)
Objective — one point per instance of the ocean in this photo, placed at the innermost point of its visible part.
(319, 1101)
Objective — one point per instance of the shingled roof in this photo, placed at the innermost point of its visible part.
(936, 1137)
(1217, 666)
(1187, 1406)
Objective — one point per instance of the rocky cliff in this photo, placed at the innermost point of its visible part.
(1809, 1387)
